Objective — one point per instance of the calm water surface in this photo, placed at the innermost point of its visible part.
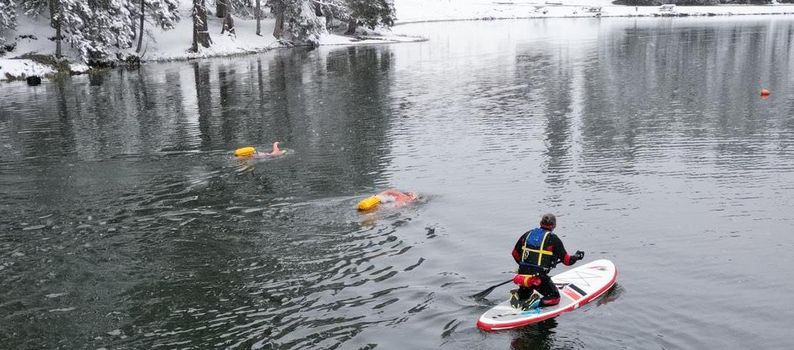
(126, 224)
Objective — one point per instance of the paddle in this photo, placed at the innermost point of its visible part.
(490, 289)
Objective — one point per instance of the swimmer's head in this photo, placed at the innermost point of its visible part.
(276, 151)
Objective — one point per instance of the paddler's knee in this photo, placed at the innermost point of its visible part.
(529, 281)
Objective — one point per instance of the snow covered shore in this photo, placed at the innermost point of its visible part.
(167, 45)
(174, 44)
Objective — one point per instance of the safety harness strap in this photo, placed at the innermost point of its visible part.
(540, 251)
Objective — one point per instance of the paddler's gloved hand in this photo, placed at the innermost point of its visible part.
(579, 255)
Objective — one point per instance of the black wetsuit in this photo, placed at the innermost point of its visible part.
(552, 243)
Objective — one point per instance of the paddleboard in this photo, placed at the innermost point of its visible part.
(577, 287)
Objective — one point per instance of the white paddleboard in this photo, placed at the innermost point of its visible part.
(577, 287)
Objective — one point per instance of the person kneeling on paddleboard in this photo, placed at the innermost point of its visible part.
(537, 252)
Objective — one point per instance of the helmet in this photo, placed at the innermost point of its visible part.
(548, 221)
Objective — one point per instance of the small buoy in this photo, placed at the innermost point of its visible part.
(244, 151)
(764, 92)
(33, 80)
(368, 203)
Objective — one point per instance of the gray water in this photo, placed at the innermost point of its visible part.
(125, 222)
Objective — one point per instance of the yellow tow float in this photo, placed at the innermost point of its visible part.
(368, 203)
(245, 152)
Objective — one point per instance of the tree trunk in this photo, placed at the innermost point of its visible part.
(205, 34)
(55, 21)
(220, 8)
(58, 39)
(200, 34)
(329, 20)
(352, 24)
(228, 21)
(278, 29)
(194, 47)
(317, 10)
(140, 31)
(258, 18)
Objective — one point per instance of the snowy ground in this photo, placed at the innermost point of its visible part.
(174, 44)
(166, 45)
(10, 69)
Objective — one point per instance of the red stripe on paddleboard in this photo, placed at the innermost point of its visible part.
(571, 294)
(497, 326)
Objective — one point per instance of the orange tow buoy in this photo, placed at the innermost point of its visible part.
(764, 92)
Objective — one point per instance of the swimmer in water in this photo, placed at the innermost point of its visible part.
(398, 197)
(274, 153)
(249, 151)
(392, 195)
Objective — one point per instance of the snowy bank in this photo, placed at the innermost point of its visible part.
(13, 69)
(32, 37)
(164, 45)
(175, 44)
(411, 11)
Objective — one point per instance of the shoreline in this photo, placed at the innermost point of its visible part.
(679, 15)
(471, 10)
(18, 67)
(168, 46)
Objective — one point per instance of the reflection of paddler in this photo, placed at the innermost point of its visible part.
(391, 195)
(246, 152)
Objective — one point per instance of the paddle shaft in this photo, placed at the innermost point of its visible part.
(491, 288)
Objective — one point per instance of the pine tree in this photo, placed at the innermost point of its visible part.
(8, 15)
(334, 9)
(370, 13)
(296, 21)
(98, 30)
(8, 21)
(303, 25)
(34, 8)
(164, 13)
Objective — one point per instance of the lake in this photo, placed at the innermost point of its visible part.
(126, 223)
